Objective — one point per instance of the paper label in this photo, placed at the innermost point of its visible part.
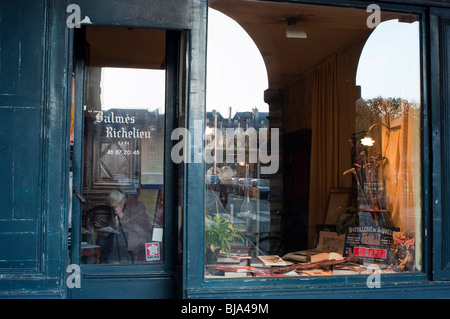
(152, 251)
(157, 234)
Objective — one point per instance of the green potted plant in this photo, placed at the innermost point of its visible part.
(219, 234)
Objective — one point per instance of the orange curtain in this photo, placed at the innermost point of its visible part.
(324, 141)
(402, 174)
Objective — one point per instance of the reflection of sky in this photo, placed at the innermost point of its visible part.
(389, 66)
(390, 62)
(237, 74)
(133, 89)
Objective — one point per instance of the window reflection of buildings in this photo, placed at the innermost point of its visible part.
(244, 120)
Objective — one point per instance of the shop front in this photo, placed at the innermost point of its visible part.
(224, 149)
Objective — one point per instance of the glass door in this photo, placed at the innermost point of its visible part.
(122, 220)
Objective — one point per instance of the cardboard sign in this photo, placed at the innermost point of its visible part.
(368, 242)
(152, 251)
(370, 252)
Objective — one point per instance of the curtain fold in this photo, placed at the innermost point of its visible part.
(402, 170)
(401, 147)
(324, 141)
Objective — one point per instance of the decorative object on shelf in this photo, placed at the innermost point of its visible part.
(367, 140)
(371, 190)
(219, 234)
(247, 209)
(369, 228)
(348, 217)
(403, 252)
(338, 200)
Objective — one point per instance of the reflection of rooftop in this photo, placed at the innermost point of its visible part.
(254, 119)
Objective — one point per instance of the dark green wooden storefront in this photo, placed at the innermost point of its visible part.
(36, 63)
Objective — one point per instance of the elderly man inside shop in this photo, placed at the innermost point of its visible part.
(132, 224)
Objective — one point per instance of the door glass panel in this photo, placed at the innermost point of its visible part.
(123, 147)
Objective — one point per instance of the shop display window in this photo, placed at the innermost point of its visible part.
(313, 159)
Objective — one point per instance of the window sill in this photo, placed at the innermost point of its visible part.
(402, 286)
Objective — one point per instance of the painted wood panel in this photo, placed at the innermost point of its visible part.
(21, 57)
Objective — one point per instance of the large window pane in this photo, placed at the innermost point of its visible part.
(290, 180)
(123, 160)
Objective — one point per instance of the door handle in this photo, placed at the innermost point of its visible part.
(80, 197)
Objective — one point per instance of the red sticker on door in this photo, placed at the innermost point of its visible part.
(152, 251)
